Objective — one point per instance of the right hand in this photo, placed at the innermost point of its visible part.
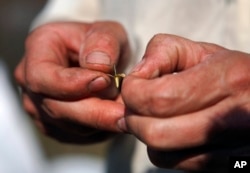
(189, 103)
(64, 83)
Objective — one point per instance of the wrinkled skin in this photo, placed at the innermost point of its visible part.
(190, 103)
(69, 97)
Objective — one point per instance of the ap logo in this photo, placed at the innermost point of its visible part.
(239, 164)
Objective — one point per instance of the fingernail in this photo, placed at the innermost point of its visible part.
(98, 84)
(138, 66)
(122, 125)
(98, 58)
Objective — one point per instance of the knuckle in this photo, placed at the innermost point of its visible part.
(238, 78)
(160, 103)
(108, 35)
(164, 39)
(156, 41)
(110, 25)
(157, 105)
(159, 37)
(18, 74)
(51, 110)
(75, 78)
(31, 81)
(153, 136)
(38, 33)
(103, 39)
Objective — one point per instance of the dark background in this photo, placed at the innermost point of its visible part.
(15, 19)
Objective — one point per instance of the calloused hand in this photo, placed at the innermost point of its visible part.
(64, 81)
(189, 102)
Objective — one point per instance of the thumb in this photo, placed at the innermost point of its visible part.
(104, 46)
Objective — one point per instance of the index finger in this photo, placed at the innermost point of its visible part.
(175, 94)
(50, 64)
(167, 54)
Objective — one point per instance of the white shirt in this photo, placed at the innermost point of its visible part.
(224, 22)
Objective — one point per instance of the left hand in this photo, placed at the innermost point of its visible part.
(65, 88)
(189, 102)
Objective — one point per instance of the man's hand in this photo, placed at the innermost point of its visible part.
(189, 102)
(64, 83)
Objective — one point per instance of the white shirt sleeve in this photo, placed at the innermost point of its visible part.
(65, 10)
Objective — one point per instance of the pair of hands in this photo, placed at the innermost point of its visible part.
(187, 101)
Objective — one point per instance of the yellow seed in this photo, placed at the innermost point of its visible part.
(117, 78)
(117, 81)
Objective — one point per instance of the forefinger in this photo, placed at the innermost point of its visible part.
(50, 66)
(174, 94)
